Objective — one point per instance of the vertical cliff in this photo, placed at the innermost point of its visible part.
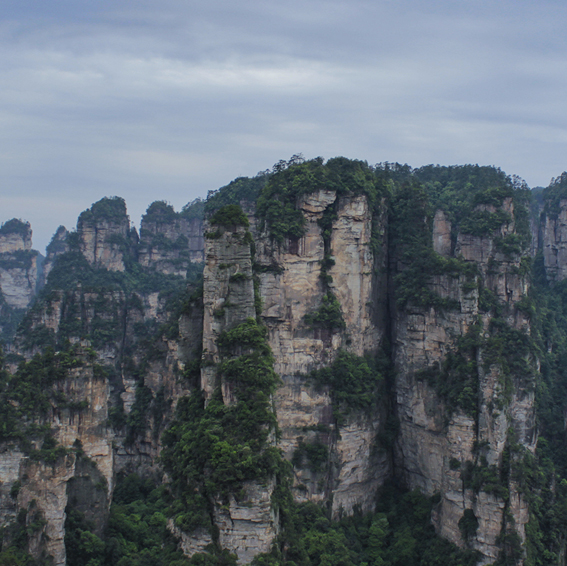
(360, 333)
(171, 242)
(18, 274)
(104, 235)
(465, 372)
(94, 410)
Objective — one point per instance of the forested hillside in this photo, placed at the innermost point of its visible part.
(330, 363)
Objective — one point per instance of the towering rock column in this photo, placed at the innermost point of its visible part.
(462, 402)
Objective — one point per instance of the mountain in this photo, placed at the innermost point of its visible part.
(328, 363)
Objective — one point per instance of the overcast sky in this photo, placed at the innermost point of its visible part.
(166, 100)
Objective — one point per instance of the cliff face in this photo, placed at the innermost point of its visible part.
(18, 264)
(103, 415)
(425, 308)
(170, 242)
(439, 440)
(104, 233)
(291, 288)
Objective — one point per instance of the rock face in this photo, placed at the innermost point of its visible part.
(455, 425)
(248, 525)
(104, 234)
(57, 247)
(18, 264)
(553, 242)
(437, 441)
(171, 242)
(89, 414)
(291, 287)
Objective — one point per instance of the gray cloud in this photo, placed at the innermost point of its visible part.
(166, 101)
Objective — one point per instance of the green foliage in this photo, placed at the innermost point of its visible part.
(277, 204)
(483, 223)
(28, 396)
(480, 476)
(16, 226)
(160, 212)
(241, 189)
(136, 534)
(554, 194)
(57, 244)
(329, 315)
(399, 533)
(137, 419)
(412, 244)
(456, 378)
(194, 210)
(229, 215)
(209, 451)
(19, 259)
(354, 382)
(463, 193)
(468, 525)
(314, 454)
(108, 208)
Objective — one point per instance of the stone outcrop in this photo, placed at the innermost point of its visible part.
(171, 242)
(57, 247)
(104, 234)
(18, 264)
(291, 287)
(437, 441)
(553, 242)
(248, 525)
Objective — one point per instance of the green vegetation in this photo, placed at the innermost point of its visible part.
(58, 244)
(229, 215)
(242, 189)
(28, 396)
(16, 226)
(463, 193)
(108, 208)
(314, 454)
(209, 451)
(354, 382)
(399, 533)
(277, 205)
(136, 534)
(19, 259)
(194, 210)
(552, 195)
(328, 315)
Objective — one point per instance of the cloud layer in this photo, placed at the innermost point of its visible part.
(166, 101)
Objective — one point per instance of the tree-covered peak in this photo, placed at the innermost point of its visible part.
(554, 194)
(160, 211)
(16, 226)
(108, 208)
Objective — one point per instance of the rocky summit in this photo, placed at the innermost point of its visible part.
(329, 363)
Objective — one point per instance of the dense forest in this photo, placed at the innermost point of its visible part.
(210, 449)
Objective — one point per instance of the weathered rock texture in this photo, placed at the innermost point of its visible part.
(436, 442)
(104, 234)
(291, 287)
(91, 407)
(248, 525)
(18, 264)
(170, 242)
(57, 247)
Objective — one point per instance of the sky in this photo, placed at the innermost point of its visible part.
(167, 100)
